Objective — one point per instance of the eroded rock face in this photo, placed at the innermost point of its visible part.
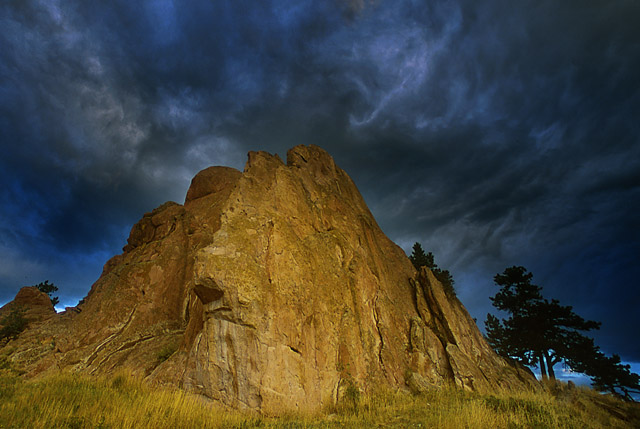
(276, 289)
(36, 305)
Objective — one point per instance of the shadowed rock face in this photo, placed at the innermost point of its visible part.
(277, 289)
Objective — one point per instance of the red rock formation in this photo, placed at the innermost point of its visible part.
(276, 288)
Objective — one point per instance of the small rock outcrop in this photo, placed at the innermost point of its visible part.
(34, 304)
(271, 289)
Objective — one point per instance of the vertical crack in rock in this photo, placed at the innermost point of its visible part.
(440, 324)
(268, 253)
(377, 325)
(232, 364)
(449, 366)
(427, 315)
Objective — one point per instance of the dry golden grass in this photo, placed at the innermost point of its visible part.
(120, 401)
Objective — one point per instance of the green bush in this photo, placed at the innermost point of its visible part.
(352, 395)
(166, 352)
(13, 323)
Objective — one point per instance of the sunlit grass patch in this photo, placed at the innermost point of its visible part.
(122, 401)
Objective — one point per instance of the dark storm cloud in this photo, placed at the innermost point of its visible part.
(539, 111)
(494, 133)
(108, 111)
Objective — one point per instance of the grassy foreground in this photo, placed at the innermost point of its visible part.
(73, 401)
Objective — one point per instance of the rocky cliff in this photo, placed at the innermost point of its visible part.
(272, 288)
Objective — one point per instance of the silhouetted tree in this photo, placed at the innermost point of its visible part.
(48, 288)
(421, 259)
(537, 331)
(543, 332)
(608, 374)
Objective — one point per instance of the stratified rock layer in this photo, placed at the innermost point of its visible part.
(276, 289)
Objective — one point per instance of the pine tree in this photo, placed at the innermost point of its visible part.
(543, 332)
(48, 288)
(421, 259)
(608, 374)
(537, 331)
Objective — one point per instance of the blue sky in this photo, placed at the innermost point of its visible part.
(494, 133)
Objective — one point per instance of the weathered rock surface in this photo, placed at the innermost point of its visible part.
(36, 305)
(276, 289)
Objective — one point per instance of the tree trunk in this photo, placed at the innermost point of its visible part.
(543, 368)
(552, 374)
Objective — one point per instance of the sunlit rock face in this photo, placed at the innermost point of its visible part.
(33, 305)
(271, 289)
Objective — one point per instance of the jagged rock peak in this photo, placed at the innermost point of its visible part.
(214, 179)
(276, 289)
